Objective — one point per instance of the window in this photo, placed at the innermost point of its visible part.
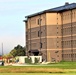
(66, 42)
(61, 31)
(57, 46)
(57, 55)
(62, 55)
(57, 32)
(73, 14)
(39, 21)
(69, 55)
(56, 51)
(75, 55)
(57, 41)
(68, 15)
(38, 33)
(57, 27)
(75, 41)
(65, 30)
(40, 45)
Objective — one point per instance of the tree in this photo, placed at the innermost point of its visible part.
(18, 47)
(18, 51)
(7, 56)
(13, 52)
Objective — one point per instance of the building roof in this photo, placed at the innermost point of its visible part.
(65, 7)
(57, 9)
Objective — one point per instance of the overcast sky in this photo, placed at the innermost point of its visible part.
(12, 14)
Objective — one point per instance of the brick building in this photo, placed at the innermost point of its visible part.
(52, 33)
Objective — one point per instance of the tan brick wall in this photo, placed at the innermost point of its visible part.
(69, 39)
(54, 55)
(74, 15)
(34, 32)
(53, 27)
(33, 21)
(68, 55)
(35, 44)
(53, 43)
(51, 18)
(44, 54)
(54, 30)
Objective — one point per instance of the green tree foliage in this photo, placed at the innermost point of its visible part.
(18, 51)
(13, 52)
(7, 56)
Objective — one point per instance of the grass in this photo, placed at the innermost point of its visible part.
(37, 74)
(62, 67)
(30, 70)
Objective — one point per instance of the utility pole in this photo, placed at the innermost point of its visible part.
(2, 56)
(2, 49)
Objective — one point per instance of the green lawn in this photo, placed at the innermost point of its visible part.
(62, 67)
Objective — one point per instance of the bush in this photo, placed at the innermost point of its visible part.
(10, 61)
(28, 60)
(36, 60)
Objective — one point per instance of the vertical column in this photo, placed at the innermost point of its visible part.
(71, 39)
(62, 36)
(46, 35)
(26, 32)
(30, 33)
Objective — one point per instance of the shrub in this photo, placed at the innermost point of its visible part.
(28, 60)
(36, 60)
(10, 61)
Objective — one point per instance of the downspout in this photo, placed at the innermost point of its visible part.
(40, 34)
(30, 34)
(71, 39)
(26, 37)
(46, 35)
(62, 37)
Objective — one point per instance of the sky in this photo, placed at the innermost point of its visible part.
(12, 14)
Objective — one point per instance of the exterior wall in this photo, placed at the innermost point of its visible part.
(50, 37)
(34, 38)
(69, 35)
(57, 34)
(74, 34)
(54, 47)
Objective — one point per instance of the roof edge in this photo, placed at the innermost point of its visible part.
(50, 11)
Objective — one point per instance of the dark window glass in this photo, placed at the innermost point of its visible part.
(40, 45)
(38, 21)
(38, 33)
